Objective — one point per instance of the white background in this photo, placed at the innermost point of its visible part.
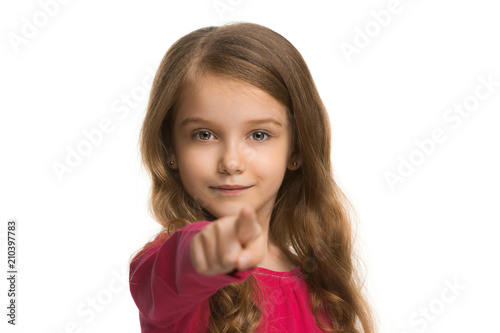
(77, 232)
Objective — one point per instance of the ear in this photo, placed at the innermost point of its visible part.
(172, 160)
(294, 162)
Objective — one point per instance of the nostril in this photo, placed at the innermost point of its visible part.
(231, 165)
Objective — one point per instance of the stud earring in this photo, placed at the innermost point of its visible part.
(171, 163)
(294, 163)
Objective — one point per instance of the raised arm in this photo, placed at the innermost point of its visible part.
(164, 284)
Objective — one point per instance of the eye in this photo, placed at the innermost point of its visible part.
(203, 135)
(206, 135)
(260, 136)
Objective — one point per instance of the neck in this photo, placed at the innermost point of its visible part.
(274, 258)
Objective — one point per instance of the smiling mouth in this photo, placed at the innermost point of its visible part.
(230, 189)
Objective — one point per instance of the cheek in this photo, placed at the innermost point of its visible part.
(194, 165)
(190, 163)
(191, 176)
(270, 167)
(191, 154)
(195, 169)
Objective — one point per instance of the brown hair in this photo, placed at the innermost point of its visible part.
(320, 238)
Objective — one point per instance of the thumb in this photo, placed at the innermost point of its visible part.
(247, 227)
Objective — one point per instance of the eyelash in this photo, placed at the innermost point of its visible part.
(195, 135)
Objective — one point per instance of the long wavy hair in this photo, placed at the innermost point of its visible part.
(312, 218)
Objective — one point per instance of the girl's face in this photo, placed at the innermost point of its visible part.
(230, 133)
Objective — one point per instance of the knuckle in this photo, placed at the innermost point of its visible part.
(204, 237)
(227, 259)
(199, 265)
(216, 229)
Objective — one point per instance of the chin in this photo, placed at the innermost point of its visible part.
(227, 211)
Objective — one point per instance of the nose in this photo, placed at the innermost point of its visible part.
(232, 159)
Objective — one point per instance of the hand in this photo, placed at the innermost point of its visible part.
(230, 242)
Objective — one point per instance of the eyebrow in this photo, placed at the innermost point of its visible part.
(250, 122)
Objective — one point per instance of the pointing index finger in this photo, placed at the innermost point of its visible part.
(247, 227)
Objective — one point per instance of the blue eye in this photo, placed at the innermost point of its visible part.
(260, 136)
(205, 135)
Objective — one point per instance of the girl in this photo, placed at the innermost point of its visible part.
(257, 235)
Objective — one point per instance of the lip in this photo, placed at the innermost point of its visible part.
(230, 189)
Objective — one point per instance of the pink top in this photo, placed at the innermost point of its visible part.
(171, 295)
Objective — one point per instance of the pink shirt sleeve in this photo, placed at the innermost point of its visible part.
(164, 284)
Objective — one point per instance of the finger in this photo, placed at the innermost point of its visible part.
(252, 255)
(228, 248)
(207, 253)
(197, 254)
(247, 227)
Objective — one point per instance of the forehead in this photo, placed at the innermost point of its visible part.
(225, 100)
